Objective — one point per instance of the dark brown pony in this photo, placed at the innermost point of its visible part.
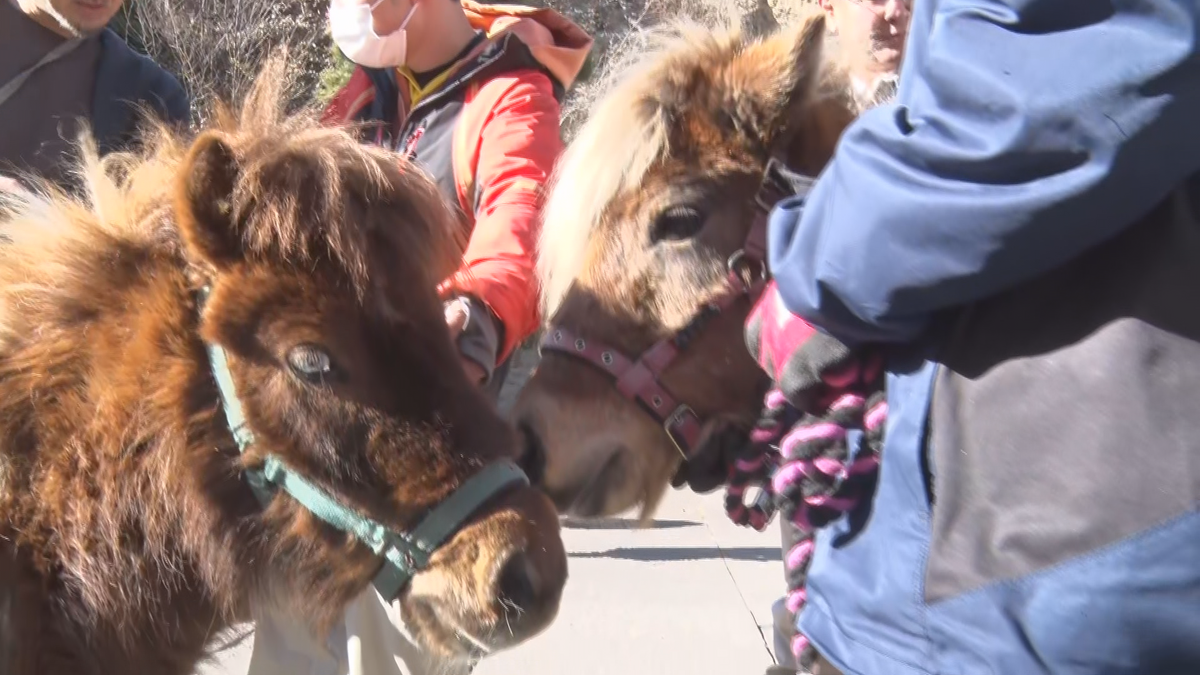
(652, 246)
(129, 533)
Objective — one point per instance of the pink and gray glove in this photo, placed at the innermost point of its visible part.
(804, 363)
(835, 390)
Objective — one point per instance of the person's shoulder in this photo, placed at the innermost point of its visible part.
(527, 80)
(142, 77)
(507, 59)
(539, 35)
(516, 93)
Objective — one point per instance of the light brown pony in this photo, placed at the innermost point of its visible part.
(129, 537)
(654, 212)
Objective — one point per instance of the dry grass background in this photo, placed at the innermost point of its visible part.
(215, 47)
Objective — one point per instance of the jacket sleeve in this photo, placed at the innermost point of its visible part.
(128, 83)
(1024, 132)
(519, 145)
(177, 107)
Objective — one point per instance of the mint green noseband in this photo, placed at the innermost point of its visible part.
(404, 554)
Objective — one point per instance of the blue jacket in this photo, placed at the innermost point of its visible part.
(125, 79)
(1030, 250)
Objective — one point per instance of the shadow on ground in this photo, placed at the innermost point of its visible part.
(668, 553)
(622, 524)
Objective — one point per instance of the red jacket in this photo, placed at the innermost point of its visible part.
(487, 130)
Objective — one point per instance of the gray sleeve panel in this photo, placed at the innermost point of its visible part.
(480, 339)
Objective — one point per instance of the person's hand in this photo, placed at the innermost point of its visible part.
(804, 363)
(456, 319)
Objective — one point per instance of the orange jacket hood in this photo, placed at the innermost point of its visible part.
(555, 41)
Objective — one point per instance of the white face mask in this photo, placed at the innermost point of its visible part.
(354, 33)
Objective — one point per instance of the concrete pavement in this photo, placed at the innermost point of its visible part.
(691, 595)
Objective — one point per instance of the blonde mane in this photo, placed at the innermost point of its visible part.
(625, 134)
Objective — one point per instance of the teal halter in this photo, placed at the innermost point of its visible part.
(404, 554)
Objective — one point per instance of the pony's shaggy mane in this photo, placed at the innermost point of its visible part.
(627, 131)
(52, 239)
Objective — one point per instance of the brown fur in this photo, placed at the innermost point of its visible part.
(128, 538)
(708, 109)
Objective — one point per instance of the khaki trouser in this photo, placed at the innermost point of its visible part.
(370, 641)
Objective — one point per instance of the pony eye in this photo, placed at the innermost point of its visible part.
(309, 362)
(677, 223)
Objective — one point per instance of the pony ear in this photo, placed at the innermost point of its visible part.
(204, 201)
(785, 71)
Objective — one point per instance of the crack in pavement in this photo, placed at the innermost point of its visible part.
(725, 562)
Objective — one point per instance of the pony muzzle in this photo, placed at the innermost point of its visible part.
(495, 583)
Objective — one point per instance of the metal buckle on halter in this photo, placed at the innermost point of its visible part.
(740, 265)
(771, 173)
(776, 172)
(672, 419)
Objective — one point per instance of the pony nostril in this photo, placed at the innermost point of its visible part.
(533, 454)
(517, 585)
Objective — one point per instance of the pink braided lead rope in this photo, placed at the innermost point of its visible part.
(755, 463)
(801, 461)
